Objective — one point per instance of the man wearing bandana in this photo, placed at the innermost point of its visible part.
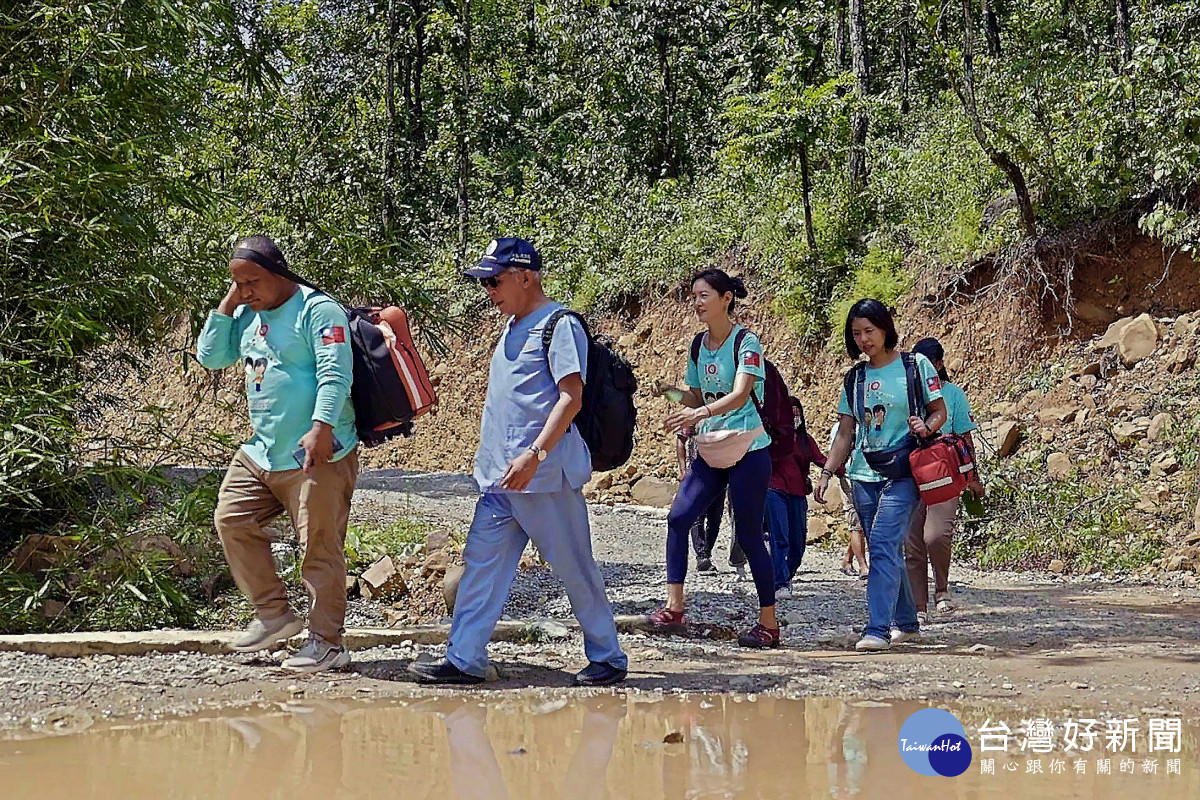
(302, 458)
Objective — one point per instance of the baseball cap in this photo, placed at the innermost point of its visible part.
(504, 253)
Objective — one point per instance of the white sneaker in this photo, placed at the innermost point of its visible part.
(943, 602)
(872, 644)
(900, 637)
(318, 655)
(263, 634)
(783, 593)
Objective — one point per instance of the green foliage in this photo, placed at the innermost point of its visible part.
(366, 544)
(135, 560)
(881, 275)
(1026, 522)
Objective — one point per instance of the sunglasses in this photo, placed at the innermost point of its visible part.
(494, 281)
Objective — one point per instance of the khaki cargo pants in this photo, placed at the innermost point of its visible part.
(320, 509)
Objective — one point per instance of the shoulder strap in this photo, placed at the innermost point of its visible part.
(916, 393)
(737, 354)
(548, 328)
(696, 344)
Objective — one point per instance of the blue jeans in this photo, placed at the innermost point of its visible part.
(787, 522)
(885, 509)
(557, 522)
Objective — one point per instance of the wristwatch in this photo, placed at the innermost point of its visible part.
(539, 452)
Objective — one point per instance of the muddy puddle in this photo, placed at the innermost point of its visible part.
(579, 747)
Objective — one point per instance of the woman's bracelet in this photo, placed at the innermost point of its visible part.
(708, 410)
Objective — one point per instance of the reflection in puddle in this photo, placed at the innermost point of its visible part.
(576, 747)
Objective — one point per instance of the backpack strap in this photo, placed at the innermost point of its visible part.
(916, 393)
(737, 353)
(548, 328)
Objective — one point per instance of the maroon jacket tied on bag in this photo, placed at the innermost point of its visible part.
(792, 450)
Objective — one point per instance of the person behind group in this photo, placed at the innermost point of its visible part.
(787, 499)
(717, 400)
(302, 459)
(704, 533)
(931, 532)
(886, 507)
(854, 564)
(531, 466)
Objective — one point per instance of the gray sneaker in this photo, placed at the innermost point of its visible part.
(316, 656)
(264, 633)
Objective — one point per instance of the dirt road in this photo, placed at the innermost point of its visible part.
(1014, 639)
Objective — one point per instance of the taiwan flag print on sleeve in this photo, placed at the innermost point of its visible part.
(333, 334)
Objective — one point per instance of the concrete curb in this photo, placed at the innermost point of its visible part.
(137, 643)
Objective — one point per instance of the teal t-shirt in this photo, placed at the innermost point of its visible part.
(886, 399)
(959, 418)
(298, 368)
(714, 376)
(857, 468)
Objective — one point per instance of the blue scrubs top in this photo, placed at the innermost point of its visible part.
(522, 391)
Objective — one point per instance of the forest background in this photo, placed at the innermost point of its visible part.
(836, 148)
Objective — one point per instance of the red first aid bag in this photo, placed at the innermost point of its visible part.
(942, 468)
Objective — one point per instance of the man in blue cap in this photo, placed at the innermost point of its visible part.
(531, 466)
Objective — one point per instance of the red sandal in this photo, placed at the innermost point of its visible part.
(666, 621)
(760, 637)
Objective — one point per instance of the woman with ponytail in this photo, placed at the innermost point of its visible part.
(725, 366)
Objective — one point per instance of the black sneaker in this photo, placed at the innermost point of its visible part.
(704, 564)
(598, 673)
(441, 672)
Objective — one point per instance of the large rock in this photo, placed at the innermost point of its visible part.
(1186, 326)
(1132, 430)
(1001, 437)
(1057, 414)
(1112, 336)
(1059, 466)
(1164, 465)
(450, 586)
(382, 581)
(39, 552)
(819, 530)
(436, 541)
(1158, 426)
(1138, 340)
(653, 492)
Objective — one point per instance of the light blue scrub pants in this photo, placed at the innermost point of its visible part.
(557, 522)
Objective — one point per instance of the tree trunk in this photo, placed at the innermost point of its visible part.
(389, 147)
(991, 28)
(1123, 31)
(906, 16)
(841, 42)
(462, 138)
(667, 155)
(998, 157)
(806, 192)
(860, 122)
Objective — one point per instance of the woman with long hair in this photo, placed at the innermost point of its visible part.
(880, 411)
(724, 367)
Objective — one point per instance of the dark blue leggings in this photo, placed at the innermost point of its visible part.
(747, 482)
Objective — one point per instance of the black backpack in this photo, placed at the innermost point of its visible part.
(608, 417)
